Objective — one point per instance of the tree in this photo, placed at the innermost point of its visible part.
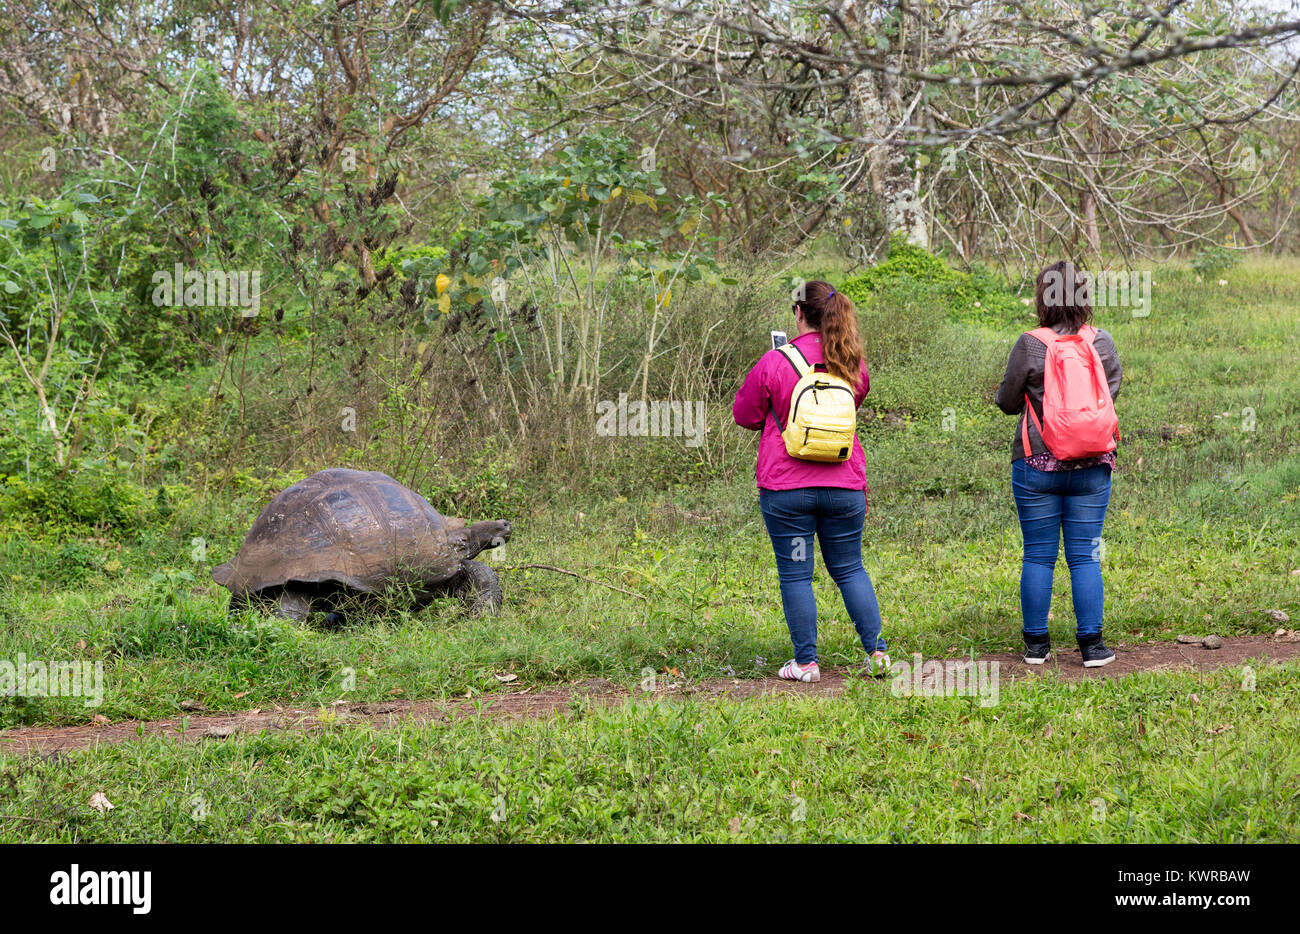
(1005, 86)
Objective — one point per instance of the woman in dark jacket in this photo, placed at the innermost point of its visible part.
(1058, 496)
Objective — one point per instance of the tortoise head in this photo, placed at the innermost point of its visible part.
(483, 535)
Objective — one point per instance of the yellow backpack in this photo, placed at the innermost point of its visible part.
(823, 413)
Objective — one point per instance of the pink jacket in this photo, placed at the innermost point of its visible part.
(767, 388)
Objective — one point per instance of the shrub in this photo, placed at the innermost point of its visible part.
(980, 295)
(91, 497)
(907, 263)
(1213, 261)
(402, 258)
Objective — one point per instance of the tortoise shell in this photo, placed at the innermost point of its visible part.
(359, 528)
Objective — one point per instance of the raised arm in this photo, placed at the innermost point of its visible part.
(752, 402)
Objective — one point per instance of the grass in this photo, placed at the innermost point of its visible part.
(1200, 537)
(1152, 758)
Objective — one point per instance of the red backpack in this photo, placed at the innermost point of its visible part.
(1078, 414)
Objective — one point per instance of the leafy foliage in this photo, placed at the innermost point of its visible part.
(980, 295)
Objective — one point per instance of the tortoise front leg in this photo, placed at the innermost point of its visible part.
(294, 604)
(478, 588)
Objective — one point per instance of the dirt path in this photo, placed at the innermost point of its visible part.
(529, 703)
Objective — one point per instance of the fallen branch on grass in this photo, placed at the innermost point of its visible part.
(551, 567)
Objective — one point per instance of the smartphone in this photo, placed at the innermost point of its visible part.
(779, 338)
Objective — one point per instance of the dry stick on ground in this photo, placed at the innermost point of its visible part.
(551, 567)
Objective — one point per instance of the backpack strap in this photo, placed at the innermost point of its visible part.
(801, 368)
(1024, 425)
(796, 358)
(1048, 337)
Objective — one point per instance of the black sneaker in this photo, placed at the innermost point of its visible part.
(1037, 649)
(1094, 652)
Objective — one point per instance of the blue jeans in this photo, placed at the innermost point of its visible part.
(1050, 503)
(835, 516)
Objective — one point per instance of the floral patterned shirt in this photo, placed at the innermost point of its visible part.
(1046, 461)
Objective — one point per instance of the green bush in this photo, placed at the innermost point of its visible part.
(978, 296)
(403, 257)
(1213, 261)
(78, 499)
(908, 263)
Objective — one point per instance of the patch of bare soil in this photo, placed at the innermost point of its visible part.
(1152, 656)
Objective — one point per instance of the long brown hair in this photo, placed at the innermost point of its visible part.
(1063, 295)
(831, 313)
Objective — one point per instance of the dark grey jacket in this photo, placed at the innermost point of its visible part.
(1025, 375)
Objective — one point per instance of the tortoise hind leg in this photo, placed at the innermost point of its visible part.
(479, 588)
(293, 604)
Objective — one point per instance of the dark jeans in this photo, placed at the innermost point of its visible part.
(835, 516)
(1050, 503)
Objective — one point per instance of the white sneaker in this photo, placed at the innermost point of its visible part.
(791, 671)
(878, 665)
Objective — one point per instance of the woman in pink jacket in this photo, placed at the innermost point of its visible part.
(801, 498)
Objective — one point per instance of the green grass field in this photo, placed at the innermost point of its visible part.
(1201, 536)
(1140, 760)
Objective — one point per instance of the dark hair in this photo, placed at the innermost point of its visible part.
(1063, 295)
(831, 313)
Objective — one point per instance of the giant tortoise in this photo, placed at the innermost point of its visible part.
(352, 531)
